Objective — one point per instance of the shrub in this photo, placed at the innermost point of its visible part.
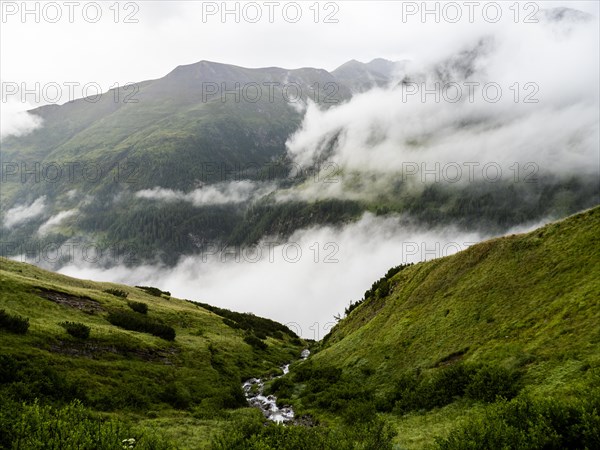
(253, 434)
(230, 323)
(209, 408)
(261, 335)
(384, 289)
(139, 307)
(255, 342)
(416, 391)
(116, 292)
(328, 388)
(234, 397)
(529, 423)
(316, 376)
(442, 388)
(490, 382)
(357, 411)
(281, 387)
(10, 411)
(135, 322)
(25, 379)
(8, 368)
(154, 291)
(12, 323)
(76, 329)
(278, 335)
(75, 427)
(176, 396)
(249, 322)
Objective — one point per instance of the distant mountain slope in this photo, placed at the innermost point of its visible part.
(361, 77)
(526, 305)
(200, 124)
(197, 114)
(204, 156)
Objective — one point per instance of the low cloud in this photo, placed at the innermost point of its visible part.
(23, 213)
(547, 114)
(16, 121)
(216, 194)
(303, 281)
(56, 220)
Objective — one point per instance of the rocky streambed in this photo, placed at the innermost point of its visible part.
(254, 393)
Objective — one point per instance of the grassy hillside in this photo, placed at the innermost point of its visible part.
(186, 388)
(441, 347)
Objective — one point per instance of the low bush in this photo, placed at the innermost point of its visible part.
(233, 397)
(347, 393)
(76, 329)
(255, 342)
(278, 335)
(261, 335)
(75, 427)
(530, 423)
(357, 411)
(139, 307)
(25, 379)
(253, 434)
(135, 322)
(328, 388)
(415, 390)
(249, 322)
(154, 291)
(310, 372)
(281, 387)
(175, 395)
(116, 292)
(490, 382)
(230, 323)
(12, 323)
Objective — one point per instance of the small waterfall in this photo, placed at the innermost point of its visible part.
(253, 391)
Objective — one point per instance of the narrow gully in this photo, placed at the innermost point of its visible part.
(254, 393)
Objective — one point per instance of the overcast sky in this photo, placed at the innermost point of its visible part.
(168, 34)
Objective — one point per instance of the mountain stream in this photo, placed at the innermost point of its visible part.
(254, 393)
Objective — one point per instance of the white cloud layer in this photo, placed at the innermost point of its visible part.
(393, 131)
(23, 213)
(333, 267)
(15, 120)
(215, 194)
(56, 220)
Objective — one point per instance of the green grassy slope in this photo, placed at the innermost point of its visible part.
(526, 305)
(193, 380)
